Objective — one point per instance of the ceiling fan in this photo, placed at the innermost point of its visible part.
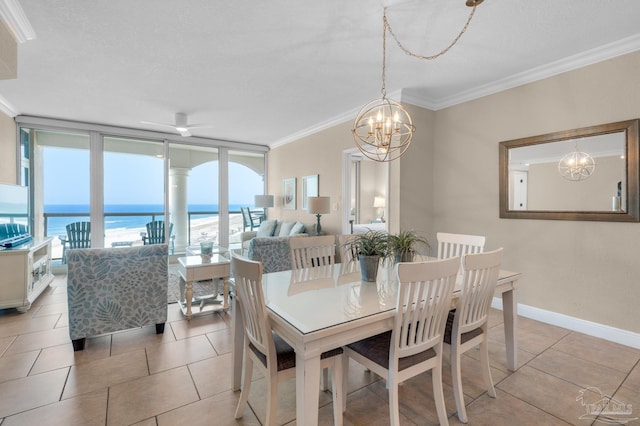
(180, 125)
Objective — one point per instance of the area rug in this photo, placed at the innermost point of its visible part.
(200, 288)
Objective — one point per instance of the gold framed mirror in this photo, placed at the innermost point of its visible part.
(535, 184)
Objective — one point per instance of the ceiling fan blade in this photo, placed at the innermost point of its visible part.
(158, 124)
(198, 126)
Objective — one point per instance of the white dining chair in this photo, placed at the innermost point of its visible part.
(309, 252)
(450, 245)
(467, 324)
(415, 343)
(347, 252)
(263, 348)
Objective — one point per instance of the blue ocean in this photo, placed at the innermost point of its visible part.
(56, 225)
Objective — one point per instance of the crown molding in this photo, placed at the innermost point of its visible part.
(7, 108)
(12, 14)
(333, 121)
(580, 60)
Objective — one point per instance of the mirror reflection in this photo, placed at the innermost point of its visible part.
(581, 174)
(536, 181)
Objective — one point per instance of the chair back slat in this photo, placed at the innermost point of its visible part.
(155, 232)
(479, 282)
(309, 252)
(249, 219)
(79, 234)
(424, 299)
(347, 250)
(8, 230)
(452, 245)
(248, 285)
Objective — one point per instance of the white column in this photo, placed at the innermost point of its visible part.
(178, 178)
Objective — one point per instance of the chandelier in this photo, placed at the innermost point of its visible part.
(576, 165)
(383, 129)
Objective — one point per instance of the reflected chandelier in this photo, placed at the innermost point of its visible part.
(383, 128)
(576, 165)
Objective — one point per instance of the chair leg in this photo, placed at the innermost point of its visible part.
(486, 367)
(438, 395)
(78, 344)
(246, 383)
(160, 328)
(324, 380)
(272, 400)
(394, 407)
(336, 390)
(456, 378)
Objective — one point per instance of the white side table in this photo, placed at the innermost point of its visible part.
(192, 268)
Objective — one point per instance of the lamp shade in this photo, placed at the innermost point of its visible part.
(379, 202)
(319, 205)
(263, 201)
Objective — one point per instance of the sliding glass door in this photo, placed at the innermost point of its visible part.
(133, 189)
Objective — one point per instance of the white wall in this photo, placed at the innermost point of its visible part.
(8, 149)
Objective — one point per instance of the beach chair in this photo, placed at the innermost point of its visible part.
(156, 235)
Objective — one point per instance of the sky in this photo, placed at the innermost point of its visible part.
(137, 179)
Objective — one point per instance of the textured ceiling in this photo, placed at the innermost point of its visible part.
(267, 72)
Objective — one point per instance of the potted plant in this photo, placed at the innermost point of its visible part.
(370, 248)
(405, 244)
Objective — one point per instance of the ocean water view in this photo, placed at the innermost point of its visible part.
(57, 225)
(120, 229)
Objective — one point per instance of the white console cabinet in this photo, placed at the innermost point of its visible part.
(25, 271)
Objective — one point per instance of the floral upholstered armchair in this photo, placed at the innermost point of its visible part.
(112, 289)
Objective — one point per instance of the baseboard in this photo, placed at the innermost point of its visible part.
(617, 335)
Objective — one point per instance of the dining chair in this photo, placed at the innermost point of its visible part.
(309, 252)
(414, 345)
(347, 252)
(450, 245)
(467, 324)
(275, 358)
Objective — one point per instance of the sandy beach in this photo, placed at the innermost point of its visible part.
(198, 227)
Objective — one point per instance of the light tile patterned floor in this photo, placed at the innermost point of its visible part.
(184, 377)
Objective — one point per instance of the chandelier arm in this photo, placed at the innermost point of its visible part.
(442, 52)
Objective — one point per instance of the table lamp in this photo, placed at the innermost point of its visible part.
(319, 206)
(263, 201)
(380, 203)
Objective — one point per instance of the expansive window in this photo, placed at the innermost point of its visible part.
(133, 189)
(246, 180)
(194, 194)
(59, 182)
(118, 180)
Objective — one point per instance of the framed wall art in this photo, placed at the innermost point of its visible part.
(309, 189)
(289, 194)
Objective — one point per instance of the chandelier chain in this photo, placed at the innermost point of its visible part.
(430, 57)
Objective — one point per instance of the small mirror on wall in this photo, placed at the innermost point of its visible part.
(582, 174)
(309, 189)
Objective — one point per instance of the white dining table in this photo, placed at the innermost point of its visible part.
(323, 308)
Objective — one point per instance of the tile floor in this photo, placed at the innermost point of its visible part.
(183, 377)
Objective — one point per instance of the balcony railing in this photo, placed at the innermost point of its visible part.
(197, 223)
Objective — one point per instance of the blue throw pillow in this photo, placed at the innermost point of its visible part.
(266, 228)
(298, 228)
